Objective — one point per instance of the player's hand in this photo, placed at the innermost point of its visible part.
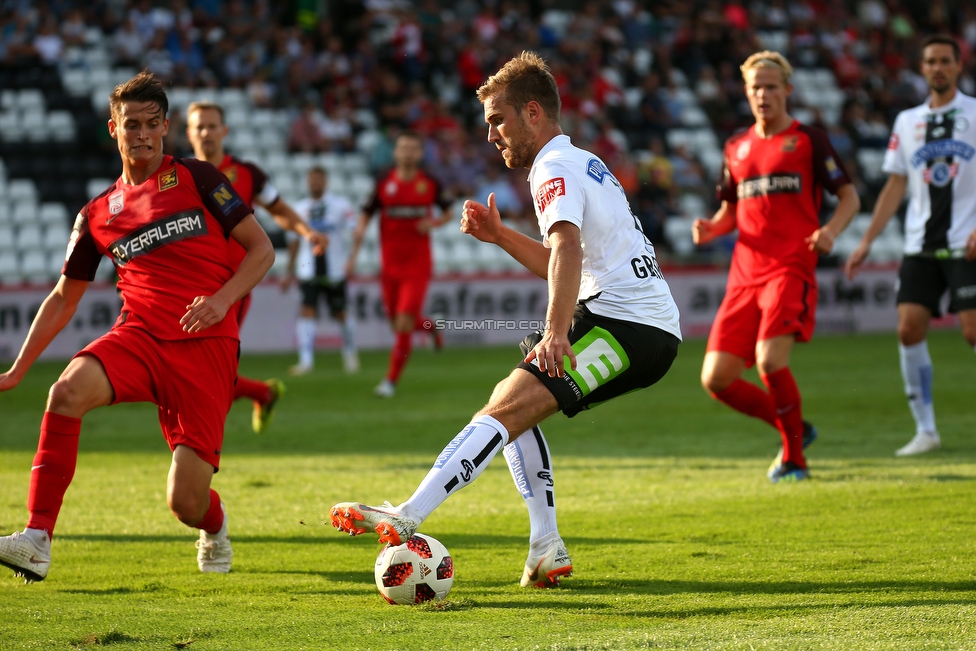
(426, 225)
(203, 312)
(319, 241)
(286, 281)
(549, 354)
(350, 267)
(9, 380)
(821, 241)
(856, 259)
(971, 246)
(481, 221)
(702, 232)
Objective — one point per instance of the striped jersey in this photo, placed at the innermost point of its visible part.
(934, 148)
(621, 278)
(333, 215)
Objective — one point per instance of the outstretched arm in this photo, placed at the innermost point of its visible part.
(888, 201)
(286, 217)
(722, 223)
(822, 239)
(357, 241)
(55, 313)
(485, 224)
(205, 311)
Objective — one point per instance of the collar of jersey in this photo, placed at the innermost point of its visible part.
(557, 141)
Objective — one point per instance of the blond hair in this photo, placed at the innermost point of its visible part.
(205, 106)
(524, 79)
(768, 58)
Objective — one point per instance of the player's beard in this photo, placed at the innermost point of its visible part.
(518, 150)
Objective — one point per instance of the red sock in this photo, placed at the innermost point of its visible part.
(254, 389)
(54, 467)
(399, 355)
(214, 519)
(786, 396)
(749, 399)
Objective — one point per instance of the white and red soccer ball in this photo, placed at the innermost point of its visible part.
(421, 569)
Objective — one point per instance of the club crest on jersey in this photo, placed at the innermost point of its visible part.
(833, 171)
(115, 204)
(743, 151)
(940, 174)
(548, 191)
(421, 186)
(390, 188)
(231, 173)
(893, 142)
(789, 144)
(168, 179)
(960, 125)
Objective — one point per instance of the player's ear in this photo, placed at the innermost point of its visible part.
(165, 127)
(112, 129)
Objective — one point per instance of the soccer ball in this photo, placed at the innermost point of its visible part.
(419, 570)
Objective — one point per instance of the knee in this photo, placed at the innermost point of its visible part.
(969, 334)
(768, 366)
(910, 334)
(715, 382)
(66, 397)
(188, 508)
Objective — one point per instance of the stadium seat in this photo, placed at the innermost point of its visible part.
(9, 268)
(302, 162)
(75, 81)
(31, 100)
(234, 98)
(237, 118)
(29, 237)
(5, 217)
(24, 212)
(53, 213)
(56, 237)
(96, 186)
(10, 127)
(34, 266)
(677, 230)
(7, 237)
(55, 262)
(8, 100)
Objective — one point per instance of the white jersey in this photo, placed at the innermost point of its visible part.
(621, 278)
(333, 215)
(934, 148)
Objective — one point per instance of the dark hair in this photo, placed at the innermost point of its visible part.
(144, 87)
(318, 169)
(524, 79)
(407, 133)
(943, 39)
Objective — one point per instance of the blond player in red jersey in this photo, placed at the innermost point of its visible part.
(771, 191)
(206, 130)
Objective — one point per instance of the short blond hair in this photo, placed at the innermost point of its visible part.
(768, 58)
(524, 79)
(205, 105)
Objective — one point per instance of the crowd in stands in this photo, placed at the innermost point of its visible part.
(623, 68)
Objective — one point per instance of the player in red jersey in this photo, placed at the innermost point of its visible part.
(405, 198)
(166, 224)
(771, 191)
(206, 131)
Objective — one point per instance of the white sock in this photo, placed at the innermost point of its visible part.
(348, 328)
(916, 371)
(305, 331)
(530, 463)
(457, 465)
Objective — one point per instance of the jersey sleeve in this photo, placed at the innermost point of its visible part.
(82, 256)
(373, 203)
(218, 195)
(828, 170)
(894, 158)
(264, 192)
(442, 197)
(558, 196)
(726, 189)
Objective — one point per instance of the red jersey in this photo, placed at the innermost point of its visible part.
(168, 239)
(775, 185)
(402, 204)
(251, 183)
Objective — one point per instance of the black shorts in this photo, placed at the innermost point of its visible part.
(613, 357)
(923, 280)
(334, 293)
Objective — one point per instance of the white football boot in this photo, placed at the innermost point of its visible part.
(548, 562)
(385, 389)
(300, 369)
(355, 518)
(922, 442)
(350, 361)
(214, 552)
(27, 553)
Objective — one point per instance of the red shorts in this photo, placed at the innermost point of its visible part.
(785, 305)
(404, 294)
(191, 381)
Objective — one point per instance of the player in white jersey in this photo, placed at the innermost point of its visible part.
(931, 156)
(611, 324)
(322, 276)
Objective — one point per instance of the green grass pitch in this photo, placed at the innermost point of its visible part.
(678, 540)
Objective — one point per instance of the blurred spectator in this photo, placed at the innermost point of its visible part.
(48, 43)
(74, 30)
(128, 44)
(336, 128)
(305, 134)
(508, 203)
